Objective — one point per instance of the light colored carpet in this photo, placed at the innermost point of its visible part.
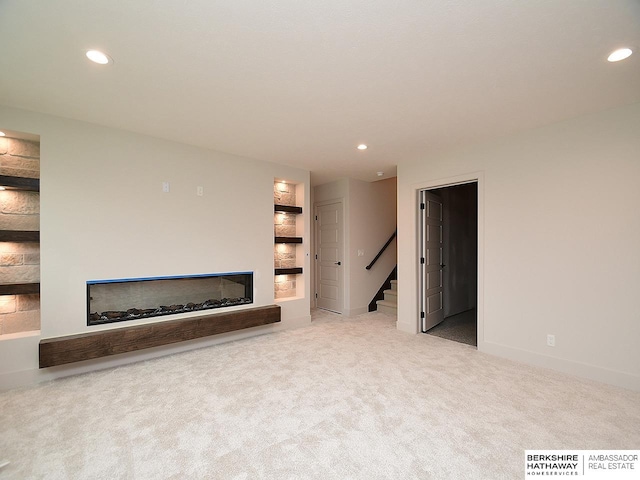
(341, 399)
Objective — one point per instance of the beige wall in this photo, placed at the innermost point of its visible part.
(104, 215)
(558, 248)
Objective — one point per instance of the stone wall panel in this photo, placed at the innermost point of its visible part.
(24, 148)
(19, 202)
(18, 172)
(11, 161)
(32, 258)
(11, 259)
(19, 261)
(20, 274)
(19, 247)
(30, 223)
(21, 322)
(8, 304)
(27, 302)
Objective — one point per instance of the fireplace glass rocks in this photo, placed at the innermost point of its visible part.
(135, 298)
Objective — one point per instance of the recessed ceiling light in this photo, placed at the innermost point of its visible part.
(362, 146)
(99, 57)
(620, 54)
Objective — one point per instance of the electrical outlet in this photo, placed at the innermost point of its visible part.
(199, 191)
(551, 340)
(165, 187)
(360, 253)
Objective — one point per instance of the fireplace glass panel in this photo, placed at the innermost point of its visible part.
(135, 298)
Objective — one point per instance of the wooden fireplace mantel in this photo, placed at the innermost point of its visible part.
(87, 346)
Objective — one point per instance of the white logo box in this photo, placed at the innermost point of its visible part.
(582, 464)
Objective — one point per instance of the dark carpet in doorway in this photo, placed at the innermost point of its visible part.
(460, 328)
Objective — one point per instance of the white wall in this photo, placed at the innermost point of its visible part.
(104, 215)
(370, 219)
(558, 247)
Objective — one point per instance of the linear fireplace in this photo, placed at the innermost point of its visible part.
(135, 298)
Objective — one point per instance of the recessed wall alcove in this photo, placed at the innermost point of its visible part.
(288, 220)
(19, 233)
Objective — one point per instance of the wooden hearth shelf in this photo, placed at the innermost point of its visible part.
(87, 346)
(19, 288)
(20, 183)
(19, 236)
(287, 209)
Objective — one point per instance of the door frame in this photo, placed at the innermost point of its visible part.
(477, 177)
(316, 244)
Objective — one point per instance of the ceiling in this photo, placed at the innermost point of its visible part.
(303, 83)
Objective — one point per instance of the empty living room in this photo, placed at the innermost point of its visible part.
(202, 205)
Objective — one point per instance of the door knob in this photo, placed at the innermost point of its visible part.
(338, 263)
(442, 266)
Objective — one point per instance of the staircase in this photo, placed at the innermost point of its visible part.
(390, 303)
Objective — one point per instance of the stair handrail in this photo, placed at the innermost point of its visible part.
(395, 232)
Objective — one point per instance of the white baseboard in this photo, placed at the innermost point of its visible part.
(579, 369)
(407, 327)
(23, 378)
(571, 367)
(303, 321)
(354, 312)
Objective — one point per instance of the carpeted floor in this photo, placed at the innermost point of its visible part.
(341, 399)
(460, 328)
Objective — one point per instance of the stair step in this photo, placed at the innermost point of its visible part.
(387, 303)
(391, 295)
(394, 284)
(389, 308)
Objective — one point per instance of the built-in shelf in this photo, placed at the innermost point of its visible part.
(20, 183)
(19, 236)
(288, 271)
(19, 288)
(288, 240)
(288, 250)
(287, 209)
(20, 278)
(28, 184)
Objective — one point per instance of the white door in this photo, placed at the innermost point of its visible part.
(431, 282)
(329, 257)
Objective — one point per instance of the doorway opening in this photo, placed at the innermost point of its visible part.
(449, 262)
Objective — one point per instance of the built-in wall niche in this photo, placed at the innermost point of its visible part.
(19, 233)
(288, 221)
